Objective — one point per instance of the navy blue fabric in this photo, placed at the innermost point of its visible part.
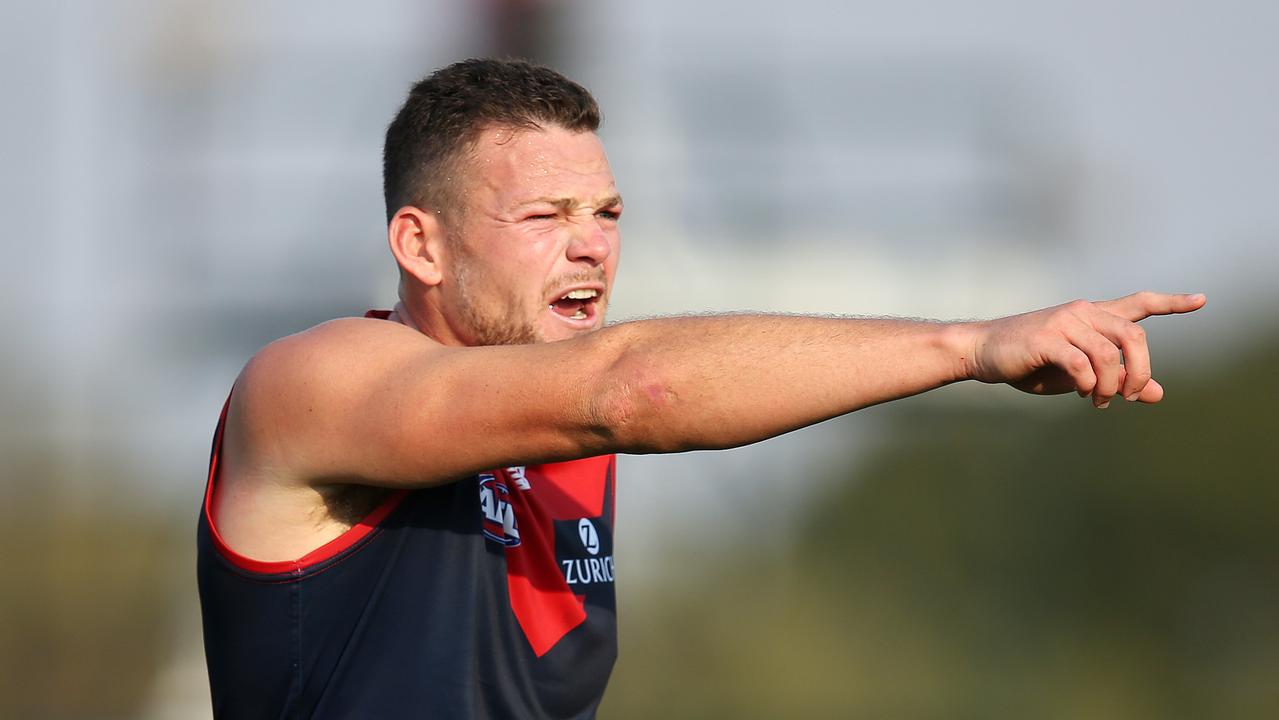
(413, 621)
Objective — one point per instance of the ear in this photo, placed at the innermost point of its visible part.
(417, 240)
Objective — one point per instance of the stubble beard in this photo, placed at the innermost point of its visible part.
(487, 329)
(507, 328)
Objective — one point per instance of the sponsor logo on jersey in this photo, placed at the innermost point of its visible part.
(585, 554)
(590, 538)
(499, 517)
(585, 571)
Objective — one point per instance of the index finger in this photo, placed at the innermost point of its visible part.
(1141, 305)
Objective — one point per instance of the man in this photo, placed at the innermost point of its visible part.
(410, 514)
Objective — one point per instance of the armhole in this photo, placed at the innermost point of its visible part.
(326, 552)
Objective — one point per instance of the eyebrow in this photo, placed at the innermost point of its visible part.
(563, 203)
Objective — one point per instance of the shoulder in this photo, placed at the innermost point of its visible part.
(295, 387)
(339, 337)
(327, 352)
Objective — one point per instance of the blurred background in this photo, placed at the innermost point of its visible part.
(185, 181)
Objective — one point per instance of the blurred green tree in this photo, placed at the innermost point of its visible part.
(88, 594)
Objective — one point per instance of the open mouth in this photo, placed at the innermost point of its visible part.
(577, 304)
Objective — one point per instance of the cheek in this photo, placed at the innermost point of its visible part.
(610, 264)
(615, 246)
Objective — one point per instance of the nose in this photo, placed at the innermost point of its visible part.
(590, 244)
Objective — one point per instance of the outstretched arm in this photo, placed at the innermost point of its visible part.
(373, 402)
(696, 383)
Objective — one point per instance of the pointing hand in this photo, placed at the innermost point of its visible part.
(1093, 348)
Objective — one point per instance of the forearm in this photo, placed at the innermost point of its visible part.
(713, 382)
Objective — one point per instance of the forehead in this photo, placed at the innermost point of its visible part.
(510, 166)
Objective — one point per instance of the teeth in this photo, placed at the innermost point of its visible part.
(579, 315)
(580, 295)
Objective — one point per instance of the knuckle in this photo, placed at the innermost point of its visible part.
(1136, 333)
(1079, 363)
(1079, 306)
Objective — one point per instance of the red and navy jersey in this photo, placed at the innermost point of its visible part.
(491, 597)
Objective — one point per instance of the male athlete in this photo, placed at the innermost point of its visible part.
(410, 514)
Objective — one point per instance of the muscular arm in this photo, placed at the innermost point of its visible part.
(374, 402)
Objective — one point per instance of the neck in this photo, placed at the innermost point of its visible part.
(426, 319)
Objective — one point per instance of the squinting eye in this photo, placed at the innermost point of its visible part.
(548, 216)
(609, 214)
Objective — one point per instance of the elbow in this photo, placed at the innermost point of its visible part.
(630, 405)
(611, 414)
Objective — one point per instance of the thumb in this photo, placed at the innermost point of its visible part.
(1152, 393)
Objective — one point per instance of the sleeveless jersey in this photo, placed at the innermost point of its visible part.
(490, 597)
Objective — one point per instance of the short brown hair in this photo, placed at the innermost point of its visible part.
(445, 112)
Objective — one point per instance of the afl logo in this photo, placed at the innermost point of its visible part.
(590, 539)
(499, 517)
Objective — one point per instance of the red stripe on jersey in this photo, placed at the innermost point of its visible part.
(327, 551)
(571, 490)
(543, 605)
(540, 597)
